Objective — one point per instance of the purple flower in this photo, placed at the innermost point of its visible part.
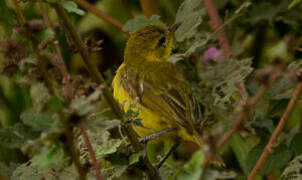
(211, 53)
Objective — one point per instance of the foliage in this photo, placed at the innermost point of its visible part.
(47, 96)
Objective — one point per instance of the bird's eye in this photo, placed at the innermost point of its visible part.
(162, 41)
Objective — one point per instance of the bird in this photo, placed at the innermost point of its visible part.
(166, 105)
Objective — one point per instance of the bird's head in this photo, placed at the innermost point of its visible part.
(150, 43)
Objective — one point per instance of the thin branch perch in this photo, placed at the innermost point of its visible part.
(268, 148)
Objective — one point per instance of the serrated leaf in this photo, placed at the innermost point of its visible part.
(25, 172)
(140, 21)
(190, 14)
(192, 169)
(49, 157)
(109, 146)
(38, 121)
(72, 7)
(134, 158)
(293, 171)
(87, 105)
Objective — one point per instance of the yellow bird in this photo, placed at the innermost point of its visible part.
(157, 88)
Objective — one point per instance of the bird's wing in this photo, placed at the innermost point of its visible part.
(166, 95)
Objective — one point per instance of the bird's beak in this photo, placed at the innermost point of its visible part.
(174, 27)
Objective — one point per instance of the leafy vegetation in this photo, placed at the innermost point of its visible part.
(58, 119)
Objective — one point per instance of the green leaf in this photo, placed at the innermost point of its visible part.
(49, 157)
(134, 158)
(293, 171)
(296, 144)
(15, 136)
(39, 95)
(190, 14)
(25, 172)
(193, 169)
(72, 7)
(294, 3)
(53, 105)
(109, 146)
(140, 21)
(38, 121)
(47, 35)
(10, 139)
(241, 147)
(275, 161)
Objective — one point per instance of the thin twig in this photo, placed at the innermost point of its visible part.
(216, 23)
(91, 152)
(268, 148)
(243, 114)
(92, 69)
(68, 94)
(150, 7)
(70, 146)
(217, 26)
(100, 14)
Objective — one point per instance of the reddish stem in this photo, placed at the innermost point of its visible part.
(268, 148)
(99, 13)
(91, 152)
(216, 23)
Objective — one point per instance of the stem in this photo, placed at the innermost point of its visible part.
(100, 14)
(91, 152)
(150, 7)
(217, 26)
(268, 148)
(68, 94)
(243, 114)
(70, 147)
(216, 23)
(92, 69)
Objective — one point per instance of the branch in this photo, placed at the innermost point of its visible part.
(91, 152)
(92, 69)
(100, 14)
(243, 114)
(68, 94)
(70, 147)
(268, 148)
(150, 7)
(217, 26)
(216, 23)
